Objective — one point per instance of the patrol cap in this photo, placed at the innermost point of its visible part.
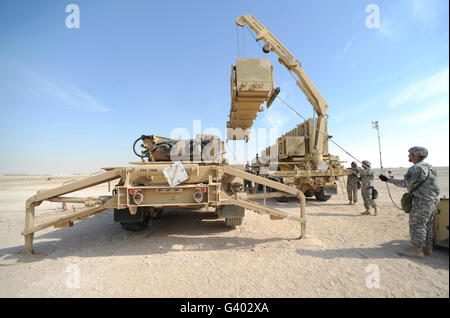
(366, 163)
(419, 151)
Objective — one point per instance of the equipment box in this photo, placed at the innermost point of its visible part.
(440, 225)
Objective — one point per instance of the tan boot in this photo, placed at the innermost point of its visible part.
(375, 211)
(428, 249)
(413, 251)
(366, 212)
(349, 203)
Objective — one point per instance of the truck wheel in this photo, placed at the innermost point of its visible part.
(309, 193)
(136, 226)
(232, 222)
(136, 222)
(322, 197)
(283, 199)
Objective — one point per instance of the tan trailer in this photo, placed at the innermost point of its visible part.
(144, 190)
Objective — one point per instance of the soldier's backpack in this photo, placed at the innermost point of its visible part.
(407, 198)
(406, 202)
(374, 193)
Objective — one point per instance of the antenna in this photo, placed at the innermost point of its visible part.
(375, 126)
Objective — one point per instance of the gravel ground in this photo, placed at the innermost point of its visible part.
(188, 253)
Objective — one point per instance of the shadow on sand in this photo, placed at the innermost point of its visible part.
(175, 231)
(384, 251)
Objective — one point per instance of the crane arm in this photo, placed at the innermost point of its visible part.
(288, 60)
(301, 78)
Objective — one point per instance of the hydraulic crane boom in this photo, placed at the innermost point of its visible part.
(294, 67)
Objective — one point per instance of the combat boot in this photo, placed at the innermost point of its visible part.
(375, 211)
(349, 203)
(413, 251)
(428, 249)
(366, 212)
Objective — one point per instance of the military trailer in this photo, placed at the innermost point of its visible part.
(182, 174)
(150, 186)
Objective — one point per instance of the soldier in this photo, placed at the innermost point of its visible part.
(421, 180)
(366, 178)
(352, 183)
(257, 165)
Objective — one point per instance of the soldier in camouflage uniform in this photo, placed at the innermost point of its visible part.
(352, 181)
(366, 178)
(421, 179)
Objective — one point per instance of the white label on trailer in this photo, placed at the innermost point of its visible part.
(175, 174)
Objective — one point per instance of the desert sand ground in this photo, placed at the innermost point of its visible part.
(190, 254)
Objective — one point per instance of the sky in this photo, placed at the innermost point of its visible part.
(73, 100)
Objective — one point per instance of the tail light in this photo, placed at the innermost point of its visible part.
(138, 198)
(198, 195)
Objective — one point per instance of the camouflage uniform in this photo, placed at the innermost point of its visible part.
(352, 189)
(424, 204)
(366, 178)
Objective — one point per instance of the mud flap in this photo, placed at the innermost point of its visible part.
(230, 211)
(124, 216)
(330, 190)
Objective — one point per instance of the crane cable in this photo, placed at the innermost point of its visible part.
(237, 39)
(243, 54)
(232, 152)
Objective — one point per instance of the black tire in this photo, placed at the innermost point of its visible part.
(136, 226)
(322, 197)
(232, 222)
(309, 194)
(283, 199)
